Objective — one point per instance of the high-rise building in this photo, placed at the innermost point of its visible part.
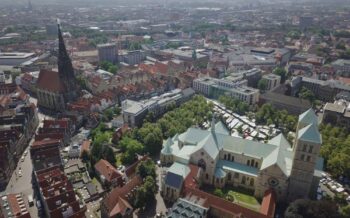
(108, 52)
(55, 89)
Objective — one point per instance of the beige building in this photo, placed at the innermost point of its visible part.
(291, 171)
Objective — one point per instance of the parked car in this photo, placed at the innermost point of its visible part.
(30, 200)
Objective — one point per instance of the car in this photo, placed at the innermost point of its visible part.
(38, 204)
(22, 159)
(159, 163)
(20, 174)
(25, 152)
(30, 200)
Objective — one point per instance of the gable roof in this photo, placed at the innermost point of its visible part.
(310, 133)
(281, 156)
(221, 128)
(106, 169)
(176, 175)
(308, 117)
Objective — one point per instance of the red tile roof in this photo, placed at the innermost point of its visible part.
(227, 207)
(268, 204)
(111, 201)
(106, 169)
(16, 208)
(63, 123)
(50, 81)
(85, 146)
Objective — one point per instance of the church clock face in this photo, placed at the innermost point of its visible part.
(273, 182)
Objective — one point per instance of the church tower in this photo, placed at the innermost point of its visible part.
(306, 150)
(65, 70)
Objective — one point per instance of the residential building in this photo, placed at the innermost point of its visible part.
(291, 171)
(132, 57)
(337, 113)
(14, 205)
(305, 22)
(323, 90)
(272, 81)
(18, 122)
(108, 52)
(135, 111)
(108, 174)
(117, 202)
(57, 194)
(214, 88)
(342, 67)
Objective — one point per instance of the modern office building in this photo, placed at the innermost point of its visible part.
(108, 52)
(337, 113)
(135, 111)
(214, 88)
(272, 81)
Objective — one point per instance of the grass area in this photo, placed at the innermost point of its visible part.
(239, 195)
(244, 200)
(118, 161)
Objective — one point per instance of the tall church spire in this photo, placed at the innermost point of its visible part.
(65, 68)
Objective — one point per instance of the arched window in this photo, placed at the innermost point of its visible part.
(248, 162)
(202, 164)
(256, 164)
(243, 180)
(206, 176)
(228, 156)
(229, 177)
(225, 157)
(251, 182)
(252, 163)
(233, 158)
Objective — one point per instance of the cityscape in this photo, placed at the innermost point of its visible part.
(174, 109)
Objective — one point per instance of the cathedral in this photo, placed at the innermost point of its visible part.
(56, 89)
(292, 172)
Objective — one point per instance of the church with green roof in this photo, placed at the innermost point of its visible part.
(292, 171)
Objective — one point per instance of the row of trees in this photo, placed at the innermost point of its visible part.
(149, 137)
(235, 105)
(144, 196)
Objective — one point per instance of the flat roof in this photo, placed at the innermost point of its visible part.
(15, 55)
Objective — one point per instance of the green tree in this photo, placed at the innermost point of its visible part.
(146, 168)
(218, 192)
(130, 148)
(280, 72)
(345, 211)
(312, 209)
(113, 69)
(305, 93)
(262, 85)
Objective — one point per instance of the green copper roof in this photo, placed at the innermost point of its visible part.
(308, 117)
(281, 156)
(237, 167)
(220, 173)
(179, 169)
(167, 147)
(310, 133)
(221, 128)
